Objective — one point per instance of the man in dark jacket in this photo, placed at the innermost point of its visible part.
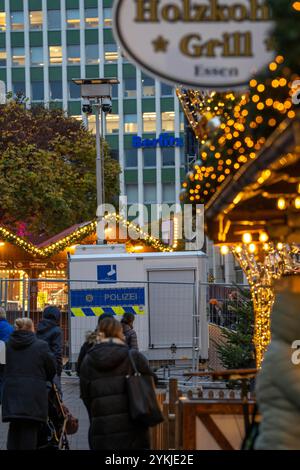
(5, 331)
(49, 330)
(128, 331)
(29, 365)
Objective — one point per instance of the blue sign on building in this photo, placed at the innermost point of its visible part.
(107, 273)
(107, 297)
(164, 140)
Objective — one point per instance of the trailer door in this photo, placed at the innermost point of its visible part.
(171, 308)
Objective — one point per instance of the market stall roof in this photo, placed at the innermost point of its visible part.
(248, 200)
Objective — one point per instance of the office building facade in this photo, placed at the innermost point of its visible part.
(44, 44)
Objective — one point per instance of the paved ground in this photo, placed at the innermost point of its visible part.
(71, 398)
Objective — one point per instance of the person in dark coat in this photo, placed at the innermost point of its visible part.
(49, 330)
(90, 341)
(128, 331)
(29, 365)
(5, 331)
(103, 390)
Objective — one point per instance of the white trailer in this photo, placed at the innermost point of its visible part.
(164, 290)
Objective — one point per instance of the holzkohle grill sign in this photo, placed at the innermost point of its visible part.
(202, 44)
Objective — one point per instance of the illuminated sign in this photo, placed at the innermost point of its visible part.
(164, 140)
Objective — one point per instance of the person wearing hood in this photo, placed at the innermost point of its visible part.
(129, 333)
(278, 382)
(103, 390)
(29, 365)
(49, 330)
(5, 331)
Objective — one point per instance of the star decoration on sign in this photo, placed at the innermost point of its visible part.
(160, 44)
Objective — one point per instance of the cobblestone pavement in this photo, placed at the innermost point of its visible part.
(71, 398)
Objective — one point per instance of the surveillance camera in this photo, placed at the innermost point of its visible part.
(87, 107)
(107, 105)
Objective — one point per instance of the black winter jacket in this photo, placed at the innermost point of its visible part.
(49, 330)
(103, 390)
(29, 365)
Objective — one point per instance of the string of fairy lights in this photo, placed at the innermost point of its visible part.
(78, 235)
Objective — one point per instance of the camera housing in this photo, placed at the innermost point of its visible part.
(107, 105)
(86, 106)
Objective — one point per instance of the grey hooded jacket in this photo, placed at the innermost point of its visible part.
(278, 383)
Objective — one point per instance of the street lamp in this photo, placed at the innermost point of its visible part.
(98, 92)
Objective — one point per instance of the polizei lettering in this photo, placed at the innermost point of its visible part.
(151, 11)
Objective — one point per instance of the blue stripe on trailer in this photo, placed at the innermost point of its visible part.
(107, 297)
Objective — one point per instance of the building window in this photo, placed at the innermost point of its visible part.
(129, 87)
(36, 20)
(112, 123)
(149, 158)
(110, 52)
(114, 91)
(55, 55)
(73, 54)
(37, 91)
(107, 18)
(166, 90)
(2, 21)
(36, 56)
(168, 156)
(149, 122)
(19, 88)
(74, 91)
(17, 21)
(56, 90)
(18, 56)
(73, 20)
(181, 121)
(148, 86)
(2, 57)
(92, 54)
(54, 19)
(131, 158)
(131, 193)
(149, 193)
(168, 192)
(168, 121)
(130, 123)
(91, 18)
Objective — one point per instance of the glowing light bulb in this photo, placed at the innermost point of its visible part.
(297, 203)
(252, 248)
(263, 237)
(281, 204)
(224, 250)
(247, 238)
(279, 246)
(238, 249)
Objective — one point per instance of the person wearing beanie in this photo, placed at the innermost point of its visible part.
(49, 330)
(5, 331)
(128, 331)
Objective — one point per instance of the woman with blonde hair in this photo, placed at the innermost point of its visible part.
(29, 365)
(103, 389)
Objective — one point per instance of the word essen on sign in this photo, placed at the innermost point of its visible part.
(208, 44)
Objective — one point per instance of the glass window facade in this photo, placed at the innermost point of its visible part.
(129, 87)
(91, 18)
(107, 17)
(18, 88)
(130, 123)
(55, 55)
(166, 90)
(148, 86)
(168, 192)
(131, 158)
(55, 90)
(74, 90)
(73, 54)
(149, 193)
(36, 20)
(54, 19)
(92, 54)
(73, 20)
(2, 57)
(2, 21)
(149, 158)
(112, 124)
(149, 122)
(168, 156)
(37, 91)
(36, 56)
(110, 52)
(18, 56)
(131, 193)
(17, 21)
(168, 121)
